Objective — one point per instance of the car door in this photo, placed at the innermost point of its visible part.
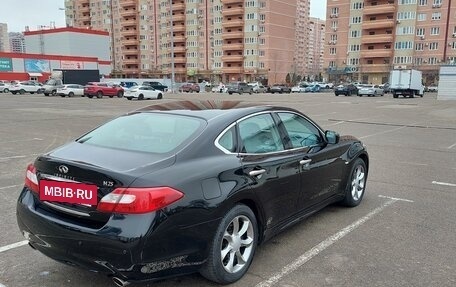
(273, 172)
(321, 165)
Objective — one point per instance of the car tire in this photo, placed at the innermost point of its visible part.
(32, 93)
(120, 94)
(46, 94)
(129, 98)
(337, 95)
(141, 97)
(356, 184)
(99, 94)
(90, 96)
(70, 94)
(6, 90)
(229, 246)
(13, 93)
(21, 91)
(54, 92)
(63, 96)
(160, 96)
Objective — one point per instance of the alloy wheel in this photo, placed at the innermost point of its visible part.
(358, 182)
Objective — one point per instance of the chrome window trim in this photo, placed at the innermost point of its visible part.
(66, 210)
(56, 178)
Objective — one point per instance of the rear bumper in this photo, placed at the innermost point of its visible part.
(131, 247)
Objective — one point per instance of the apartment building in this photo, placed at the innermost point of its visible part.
(216, 40)
(316, 47)
(4, 38)
(366, 39)
(17, 42)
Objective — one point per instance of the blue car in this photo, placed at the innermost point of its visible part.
(313, 88)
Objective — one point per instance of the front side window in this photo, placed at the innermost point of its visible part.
(301, 132)
(259, 134)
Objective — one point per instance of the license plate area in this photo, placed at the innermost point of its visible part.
(68, 192)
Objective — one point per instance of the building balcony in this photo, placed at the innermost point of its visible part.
(233, 70)
(130, 52)
(376, 53)
(180, 49)
(233, 35)
(378, 24)
(128, 12)
(233, 58)
(177, 6)
(234, 11)
(179, 39)
(130, 70)
(233, 23)
(128, 3)
(379, 9)
(130, 42)
(130, 61)
(232, 1)
(84, 9)
(130, 32)
(84, 18)
(179, 28)
(129, 23)
(375, 68)
(180, 70)
(180, 60)
(178, 17)
(233, 47)
(380, 38)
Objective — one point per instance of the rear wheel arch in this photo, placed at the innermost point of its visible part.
(250, 203)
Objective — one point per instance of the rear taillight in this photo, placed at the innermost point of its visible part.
(31, 180)
(138, 200)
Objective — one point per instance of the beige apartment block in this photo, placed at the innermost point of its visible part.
(365, 40)
(4, 38)
(216, 40)
(316, 47)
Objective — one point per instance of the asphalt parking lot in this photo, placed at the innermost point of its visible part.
(402, 234)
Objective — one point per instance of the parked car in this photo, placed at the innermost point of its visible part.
(190, 87)
(4, 87)
(324, 85)
(220, 88)
(96, 89)
(127, 84)
(385, 87)
(156, 85)
(143, 92)
(258, 87)
(370, 90)
(239, 88)
(25, 87)
(280, 88)
(346, 90)
(299, 88)
(70, 90)
(432, 88)
(314, 88)
(122, 199)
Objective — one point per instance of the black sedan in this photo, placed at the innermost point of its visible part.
(185, 187)
(280, 88)
(346, 90)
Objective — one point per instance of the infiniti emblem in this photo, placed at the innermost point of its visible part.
(63, 169)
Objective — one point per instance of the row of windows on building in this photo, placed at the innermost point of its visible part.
(406, 45)
(396, 60)
(360, 5)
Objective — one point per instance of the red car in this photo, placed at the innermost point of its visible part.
(190, 88)
(103, 89)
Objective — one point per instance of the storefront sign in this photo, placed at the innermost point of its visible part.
(71, 65)
(37, 66)
(6, 65)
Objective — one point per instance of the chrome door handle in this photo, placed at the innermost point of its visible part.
(257, 172)
(305, 161)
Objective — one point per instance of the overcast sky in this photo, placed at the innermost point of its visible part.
(33, 13)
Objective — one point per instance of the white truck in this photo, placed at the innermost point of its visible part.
(406, 83)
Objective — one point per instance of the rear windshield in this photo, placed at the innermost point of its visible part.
(145, 132)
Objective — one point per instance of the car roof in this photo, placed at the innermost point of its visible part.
(211, 109)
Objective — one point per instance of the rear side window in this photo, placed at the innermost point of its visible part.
(145, 132)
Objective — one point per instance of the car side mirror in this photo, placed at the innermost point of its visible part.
(332, 137)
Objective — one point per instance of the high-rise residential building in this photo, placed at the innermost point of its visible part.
(316, 47)
(217, 40)
(17, 42)
(4, 38)
(366, 39)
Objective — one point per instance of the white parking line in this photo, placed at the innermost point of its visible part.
(380, 133)
(29, 140)
(452, 146)
(14, 245)
(11, 186)
(317, 249)
(413, 163)
(444, 183)
(18, 156)
(395, 198)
